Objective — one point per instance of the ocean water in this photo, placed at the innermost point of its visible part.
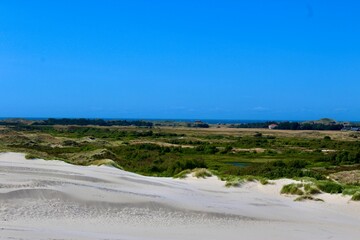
(209, 121)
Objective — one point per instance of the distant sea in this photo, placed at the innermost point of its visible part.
(210, 121)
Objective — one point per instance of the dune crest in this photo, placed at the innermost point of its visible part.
(53, 199)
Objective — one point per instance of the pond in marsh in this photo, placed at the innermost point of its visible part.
(238, 164)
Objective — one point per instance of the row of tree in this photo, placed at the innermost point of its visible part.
(96, 122)
(308, 126)
(291, 126)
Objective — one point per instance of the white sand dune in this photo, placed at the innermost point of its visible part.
(54, 200)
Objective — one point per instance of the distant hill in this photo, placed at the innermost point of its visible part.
(325, 121)
(16, 121)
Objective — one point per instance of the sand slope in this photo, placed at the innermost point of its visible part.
(54, 200)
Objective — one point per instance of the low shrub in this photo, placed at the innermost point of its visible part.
(311, 189)
(351, 189)
(329, 186)
(356, 196)
(30, 156)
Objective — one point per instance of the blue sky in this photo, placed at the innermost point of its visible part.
(223, 59)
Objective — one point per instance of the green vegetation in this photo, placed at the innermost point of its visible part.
(234, 181)
(30, 156)
(329, 186)
(293, 189)
(264, 181)
(234, 155)
(351, 189)
(322, 124)
(311, 189)
(356, 196)
(96, 122)
(201, 173)
(182, 174)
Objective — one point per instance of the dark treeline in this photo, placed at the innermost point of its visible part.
(291, 126)
(308, 126)
(3, 123)
(252, 125)
(198, 125)
(96, 122)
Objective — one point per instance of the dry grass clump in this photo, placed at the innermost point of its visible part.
(262, 180)
(307, 197)
(265, 181)
(292, 189)
(305, 191)
(197, 172)
(106, 162)
(201, 173)
(311, 189)
(234, 182)
(182, 174)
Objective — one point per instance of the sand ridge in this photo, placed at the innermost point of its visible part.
(54, 200)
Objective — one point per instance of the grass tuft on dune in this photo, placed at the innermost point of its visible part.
(308, 197)
(182, 174)
(106, 162)
(201, 173)
(292, 189)
(356, 196)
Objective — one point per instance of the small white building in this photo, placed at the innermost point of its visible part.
(272, 126)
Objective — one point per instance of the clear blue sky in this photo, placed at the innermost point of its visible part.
(297, 59)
